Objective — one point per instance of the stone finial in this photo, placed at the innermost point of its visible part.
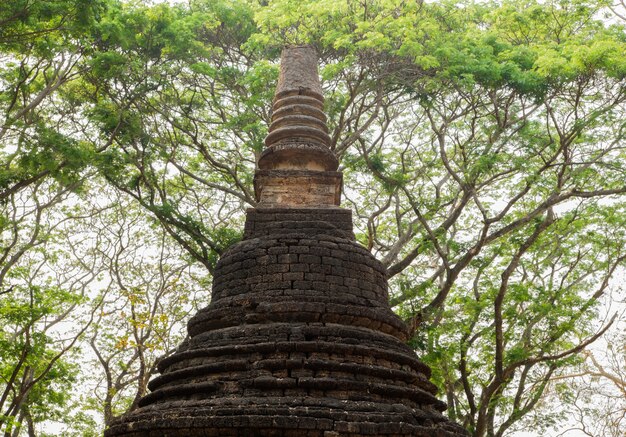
(298, 73)
(299, 103)
(297, 167)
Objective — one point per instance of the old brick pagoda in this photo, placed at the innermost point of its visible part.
(299, 339)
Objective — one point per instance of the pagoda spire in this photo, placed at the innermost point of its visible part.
(297, 167)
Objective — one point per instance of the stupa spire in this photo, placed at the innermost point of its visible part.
(297, 167)
(298, 110)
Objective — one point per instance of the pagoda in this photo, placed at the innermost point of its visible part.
(299, 339)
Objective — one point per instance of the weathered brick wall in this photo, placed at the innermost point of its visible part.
(298, 340)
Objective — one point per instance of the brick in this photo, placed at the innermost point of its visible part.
(331, 261)
(266, 259)
(277, 250)
(315, 276)
(298, 249)
(302, 285)
(288, 258)
(247, 263)
(293, 276)
(277, 268)
(310, 259)
(331, 279)
(320, 268)
(320, 251)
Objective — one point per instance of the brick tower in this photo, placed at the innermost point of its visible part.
(299, 339)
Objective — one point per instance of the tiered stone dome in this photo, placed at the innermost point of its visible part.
(299, 339)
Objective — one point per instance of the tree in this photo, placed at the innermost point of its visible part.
(593, 393)
(481, 130)
(151, 291)
(482, 147)
(42, 44)
(44, 308)
(42, 167)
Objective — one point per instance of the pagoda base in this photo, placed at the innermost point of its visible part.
(298, 340)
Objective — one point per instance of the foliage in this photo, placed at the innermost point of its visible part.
(150, 292)
(482, 147)
(44, 308)
(593, 393)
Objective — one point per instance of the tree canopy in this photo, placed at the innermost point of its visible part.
(483, 148)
